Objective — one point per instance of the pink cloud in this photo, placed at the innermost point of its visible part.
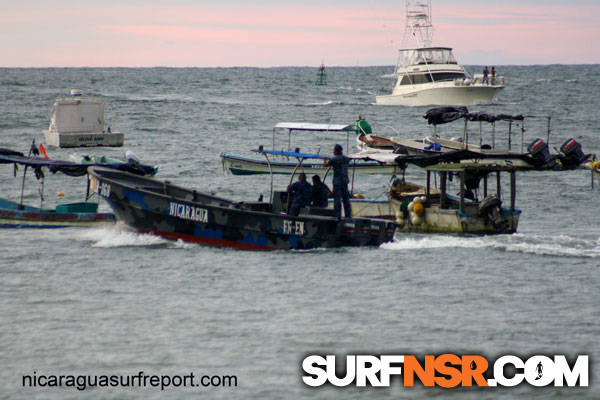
(219, 34)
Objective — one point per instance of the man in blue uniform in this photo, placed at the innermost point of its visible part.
(301, 192)
(339, 163)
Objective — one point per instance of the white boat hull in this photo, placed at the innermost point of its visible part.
(56, 139)
(436, 220)
(248, 166)
(435, 95)
(371, 208)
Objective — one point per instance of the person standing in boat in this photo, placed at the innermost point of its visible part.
(320, 193)
(301, 192)
(486, 72)
(493, 76)
(362, 126)
(339, 162)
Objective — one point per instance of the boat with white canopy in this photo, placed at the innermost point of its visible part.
(285, 164)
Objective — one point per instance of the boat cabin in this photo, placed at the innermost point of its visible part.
(427, 55)
(430, 64)
(471, 192)
(478, 208)
(78, 121)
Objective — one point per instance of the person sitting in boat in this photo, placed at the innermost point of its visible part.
(486, 72)
(362, 126)
(320, 192)
(301, 192)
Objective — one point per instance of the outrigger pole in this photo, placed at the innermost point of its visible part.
(31, 149)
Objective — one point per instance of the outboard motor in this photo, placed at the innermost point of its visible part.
(540, 151)
(131, 158)
(487, 204)
(573, 155)
(490, 209)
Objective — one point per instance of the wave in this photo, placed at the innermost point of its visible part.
(325, 103)
(550, 245)
(560, 245)
(335, 103)
(574, 80)
(158, 98)
(13, 83)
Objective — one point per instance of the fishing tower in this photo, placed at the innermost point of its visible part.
(418, 23)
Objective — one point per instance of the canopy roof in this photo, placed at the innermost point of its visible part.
(289, 154)
(450, 161)
(425, 49)
(308, 126)
(443, 115)
(382, 156)
(67, 167)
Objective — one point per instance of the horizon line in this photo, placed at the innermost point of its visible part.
(282, 66)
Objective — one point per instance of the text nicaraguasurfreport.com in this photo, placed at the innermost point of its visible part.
(139, 380)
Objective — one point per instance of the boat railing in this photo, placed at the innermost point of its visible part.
(495, 81)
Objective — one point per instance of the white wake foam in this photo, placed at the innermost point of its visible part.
(560, 245)
(180, 244)
(119, 236)
(434, 242)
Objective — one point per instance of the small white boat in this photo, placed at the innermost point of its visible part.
(241, 165)
(430, 75)
(286, 162)
(78, 121)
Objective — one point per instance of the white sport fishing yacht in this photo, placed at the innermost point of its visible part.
(430, 75)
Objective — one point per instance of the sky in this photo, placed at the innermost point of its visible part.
(266, 33)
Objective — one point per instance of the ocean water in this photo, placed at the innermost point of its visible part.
(109, 301)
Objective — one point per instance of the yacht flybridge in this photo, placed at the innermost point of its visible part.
(430, 75)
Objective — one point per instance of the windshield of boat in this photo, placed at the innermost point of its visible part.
(424, 56)
(427, 77)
